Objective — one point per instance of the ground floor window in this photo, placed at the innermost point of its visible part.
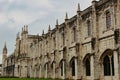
(73, 68)
(108, 65)
(87, 64)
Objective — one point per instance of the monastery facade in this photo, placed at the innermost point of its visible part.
(84, 47)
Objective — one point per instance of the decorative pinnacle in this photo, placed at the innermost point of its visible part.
(78, 7)
(27, 28)
(43, 32)
(5, 48)
(66, 16)
(24, 27)
(57, 22)
(49, 28)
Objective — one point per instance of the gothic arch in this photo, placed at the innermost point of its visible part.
(87, 64)
(61, 61)
(45, 65)
(71, 60)
(73, 65)
(106, 52)
(87, 56)
(52, 64)
(107, 60)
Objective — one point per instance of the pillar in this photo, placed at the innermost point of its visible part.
(110, 57)
(84, 73)
(76, 69)
(53, 70)
(63, 70)
(92, 67)
(102, 71)
(40, 72)
(116, 66)
(46, 71)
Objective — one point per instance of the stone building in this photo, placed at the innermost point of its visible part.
(86, 47)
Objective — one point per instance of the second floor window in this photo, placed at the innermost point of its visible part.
(63, 37)
(54, 42)
(108, 20)
(89, 30)
(74, 34)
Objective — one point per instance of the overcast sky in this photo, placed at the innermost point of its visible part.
(37, 14)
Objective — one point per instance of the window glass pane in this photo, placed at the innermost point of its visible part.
(106, 64)
(88, 68)
(108, 20)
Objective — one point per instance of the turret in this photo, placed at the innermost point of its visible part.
(57, 24)
(43, 32)
(25, 29)
(78, 10)
(24, 32)
(66, 17)
(49, 29)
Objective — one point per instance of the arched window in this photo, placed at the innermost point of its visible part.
(106, 63)
(73, 68)
(89, 28)
(108, 20)
(87, 64)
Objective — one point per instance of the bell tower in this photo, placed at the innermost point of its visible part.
(3, 59)
(4, 52)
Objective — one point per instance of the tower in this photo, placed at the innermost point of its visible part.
(3, 59)
(4, 52)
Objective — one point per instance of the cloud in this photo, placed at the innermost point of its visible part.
(3, 18)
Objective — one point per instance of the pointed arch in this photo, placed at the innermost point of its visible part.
(85, 57)
(107, 59)
(73, 66)
(108, 52)
(86, 62)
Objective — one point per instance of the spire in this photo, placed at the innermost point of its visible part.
(43, 32)
(49, 28)
(57, 22)
(5, 48)
(78, 7)
(26, 28)
(66, 17)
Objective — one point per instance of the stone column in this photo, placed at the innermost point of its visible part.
(116, 65)
(84, 73)
(40, 72)
(92, 67)
(76, 70)
(46, 71)
(63, 70)
(53, 70)
(110, 57)
(102, 71)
